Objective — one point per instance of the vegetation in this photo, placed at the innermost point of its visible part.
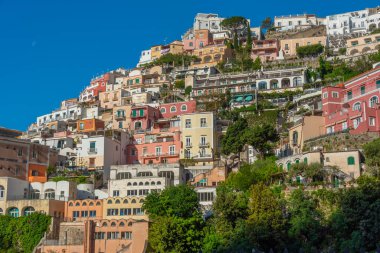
(310, 50)
(174, 60)
(372, 154)
(179, 84)
(177, 223)
(22, 234)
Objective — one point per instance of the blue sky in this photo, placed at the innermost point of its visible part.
(50, 49)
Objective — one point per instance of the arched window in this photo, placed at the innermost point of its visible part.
(121, 224)
(35, 194)
(109, 201)
(147, 183)
(84, 204)
(49, 194)
(105, 224)
(163, 110)
(135, 184)
(117, 201)
(71, 204)
(133, 201)
(13, 211)
(159, 183)
(28, 211)
(2, 192)
(98, 203)
(125, 201)
(129, 184)
(141, 183)
(173, 109)
(356, 107)
(113, 224)
(351, 160)
(183, 108)
(297, 161)
(141, 200)
(153, 183)
(129, 224)
(77, 204)
(373, 101)
(288, 165)
(262, 85)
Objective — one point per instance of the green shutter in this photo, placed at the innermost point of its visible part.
(141, 112)
(288, 165)
(137, 80)
(134, 113)
(305, 160)
(378, 84)
(362, 90)
(351, 160)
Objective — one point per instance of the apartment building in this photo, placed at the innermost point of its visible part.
(196, 39)
(289, 46)
(121, 117)
(297, 22)
(354, 105)
(89, 125)
(145, 57)
(198, 134)
(139, 180)
(126, 235)
(363, 45)
(176, 47)
(347, 23)
(247, 82)
(142, 117)
(266, 50)
(211, 55)
(124, 208)
(25, 160)
(66, 113)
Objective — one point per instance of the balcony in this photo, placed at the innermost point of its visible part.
(202, 156)
(92, 151)
(40, 179)
(119, 116)
(204, 145)
(188, 145)
(170, 154)
(134, 116)
(115, 99)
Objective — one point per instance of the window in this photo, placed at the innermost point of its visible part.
(143, 192)
(335, 94)
(99, 235)
(2, 192)
(356, 122)
(133, 152)
(120, 124)
(362, 90)
(351, 160)
(187, 153)
(171, 150)
(188, 142)
(92, 146)
(286, 46)
(125, 211)
(373, 101)
(141, 112)
(163, 110)
(109, 201)
(372, 121)
(330, 130)
(203, 122)
(19, 152)
(84, 213)
(173, 109)
(295, 138)
(344, 125)
(112, 212)
(75, 214)
(203, 140)
(112, 235)
(131, 192)
(138, 125)
(123, 175)
(126, 235)
(305, 160)
(205, 196)
(378, 84)
(81, 126)
(145, 174)
(137, 211)
(356, 107)
(188, 123)
(137, 80)
(116, 193)
(349, 95)
(49, 194)
(28, 211)
(158, 151)
(183, 108)
(325, 95)
(93, 213)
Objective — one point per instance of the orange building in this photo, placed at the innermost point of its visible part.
(79, 210)
(89, 125)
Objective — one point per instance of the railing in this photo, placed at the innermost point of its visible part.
(202, 156)
(162, 154)
(188, 145)
(204, 145)
(119, 117)
(92, 151)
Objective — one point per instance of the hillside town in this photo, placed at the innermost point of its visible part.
(224, 111)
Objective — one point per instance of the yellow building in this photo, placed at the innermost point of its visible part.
(289, 46)
(176, 47)
(124, 208)
(211, 55)
(199, 137)
(363, 45)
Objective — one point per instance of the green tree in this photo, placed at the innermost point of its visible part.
(262, 137)
(267, 23)
(233, 142)
(179, 84)
(310, 50)
(257, 64)
(188, 90)
(266, 218)
(248, 46)
(372, 155)
(233, 24)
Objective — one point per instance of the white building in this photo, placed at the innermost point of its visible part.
(145, 57)
(71, 112)
(354, 22)
(207, 21)
(140, 180)
(298, 21)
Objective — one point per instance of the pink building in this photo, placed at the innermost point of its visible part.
(267, 50)
(197, 39)
(171, 110)
(143, 117)
(161, 145)
(353, 106)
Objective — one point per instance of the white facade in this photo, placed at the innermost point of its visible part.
(347, 23)
(140, 180)
(209, 21)
(297, 21)
(85, 191)
(62, 190)
(91, 112)
(145, 57)
(72, 112)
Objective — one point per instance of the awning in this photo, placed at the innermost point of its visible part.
(239, 99)
(249, 98)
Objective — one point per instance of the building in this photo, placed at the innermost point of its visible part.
(247, 82)
(139, 180)
(176, 47)
(10, 133)
(121, 117)
(198, 134)
(25, 160)
(197, 39)
(89, 125)
(143, 117)
(348, 162)
(354, 105)
(145, 57)
(211, 55)
(90, 236)
(297, 22)
(363, 45)
(124, 208)
(172, 110)
(208, 21)
(266, 50)
(347, 23)
(65, 113)
(289, 46)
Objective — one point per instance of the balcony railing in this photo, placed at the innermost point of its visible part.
(162, 154)
(119, 117)
(92, 151)
(188, 145)
(204, 144)
(200, 156)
